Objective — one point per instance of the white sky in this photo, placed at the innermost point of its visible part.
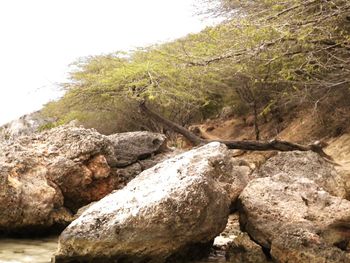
(40, 38)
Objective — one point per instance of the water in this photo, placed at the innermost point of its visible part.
(27, 250)
(41, 250)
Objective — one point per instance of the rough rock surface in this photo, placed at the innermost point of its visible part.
(305, 165)
(296, 219)
(142, 145)
(237, 245)
(178, 203)
(240, 175)
(243, 250)
(47, 176)
(25, 125)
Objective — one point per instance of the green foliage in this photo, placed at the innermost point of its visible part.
(101, 86)
(269, 53)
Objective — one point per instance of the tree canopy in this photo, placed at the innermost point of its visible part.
(268, 56)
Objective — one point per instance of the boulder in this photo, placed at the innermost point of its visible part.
(46, 177)
(296, 219)
(28, 201)
(132, 146)
(180, 203)
(305, 165)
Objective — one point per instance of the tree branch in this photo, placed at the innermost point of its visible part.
(276, 145)
(194, 139)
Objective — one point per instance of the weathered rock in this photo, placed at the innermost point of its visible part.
(178, 203)
(296, 219)
(243, 250)
(238, 174)
(132, 146)
(126, 174)
(47, 176)
(25, 125)
(222, 241)
(237, 245)
(305, 165)
(28, 201)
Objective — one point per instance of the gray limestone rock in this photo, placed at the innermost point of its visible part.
(178, 203)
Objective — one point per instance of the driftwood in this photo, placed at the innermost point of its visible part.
(277, 145)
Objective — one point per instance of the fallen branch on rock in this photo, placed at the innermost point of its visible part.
(191, 137)
(277, 145)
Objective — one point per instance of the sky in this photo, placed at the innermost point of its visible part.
(40, 38)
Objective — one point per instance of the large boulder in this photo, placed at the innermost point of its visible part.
(46, 177)
(296, 219)
(305, 165)
(180, 203)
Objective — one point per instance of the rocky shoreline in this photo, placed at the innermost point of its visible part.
(127, 198)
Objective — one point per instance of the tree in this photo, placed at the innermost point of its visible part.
(268, 56)
(298, 51)
(104, 85)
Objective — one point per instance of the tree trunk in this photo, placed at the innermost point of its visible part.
(278, 145)
(242, 145)
(194, 139)
(256, 124)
